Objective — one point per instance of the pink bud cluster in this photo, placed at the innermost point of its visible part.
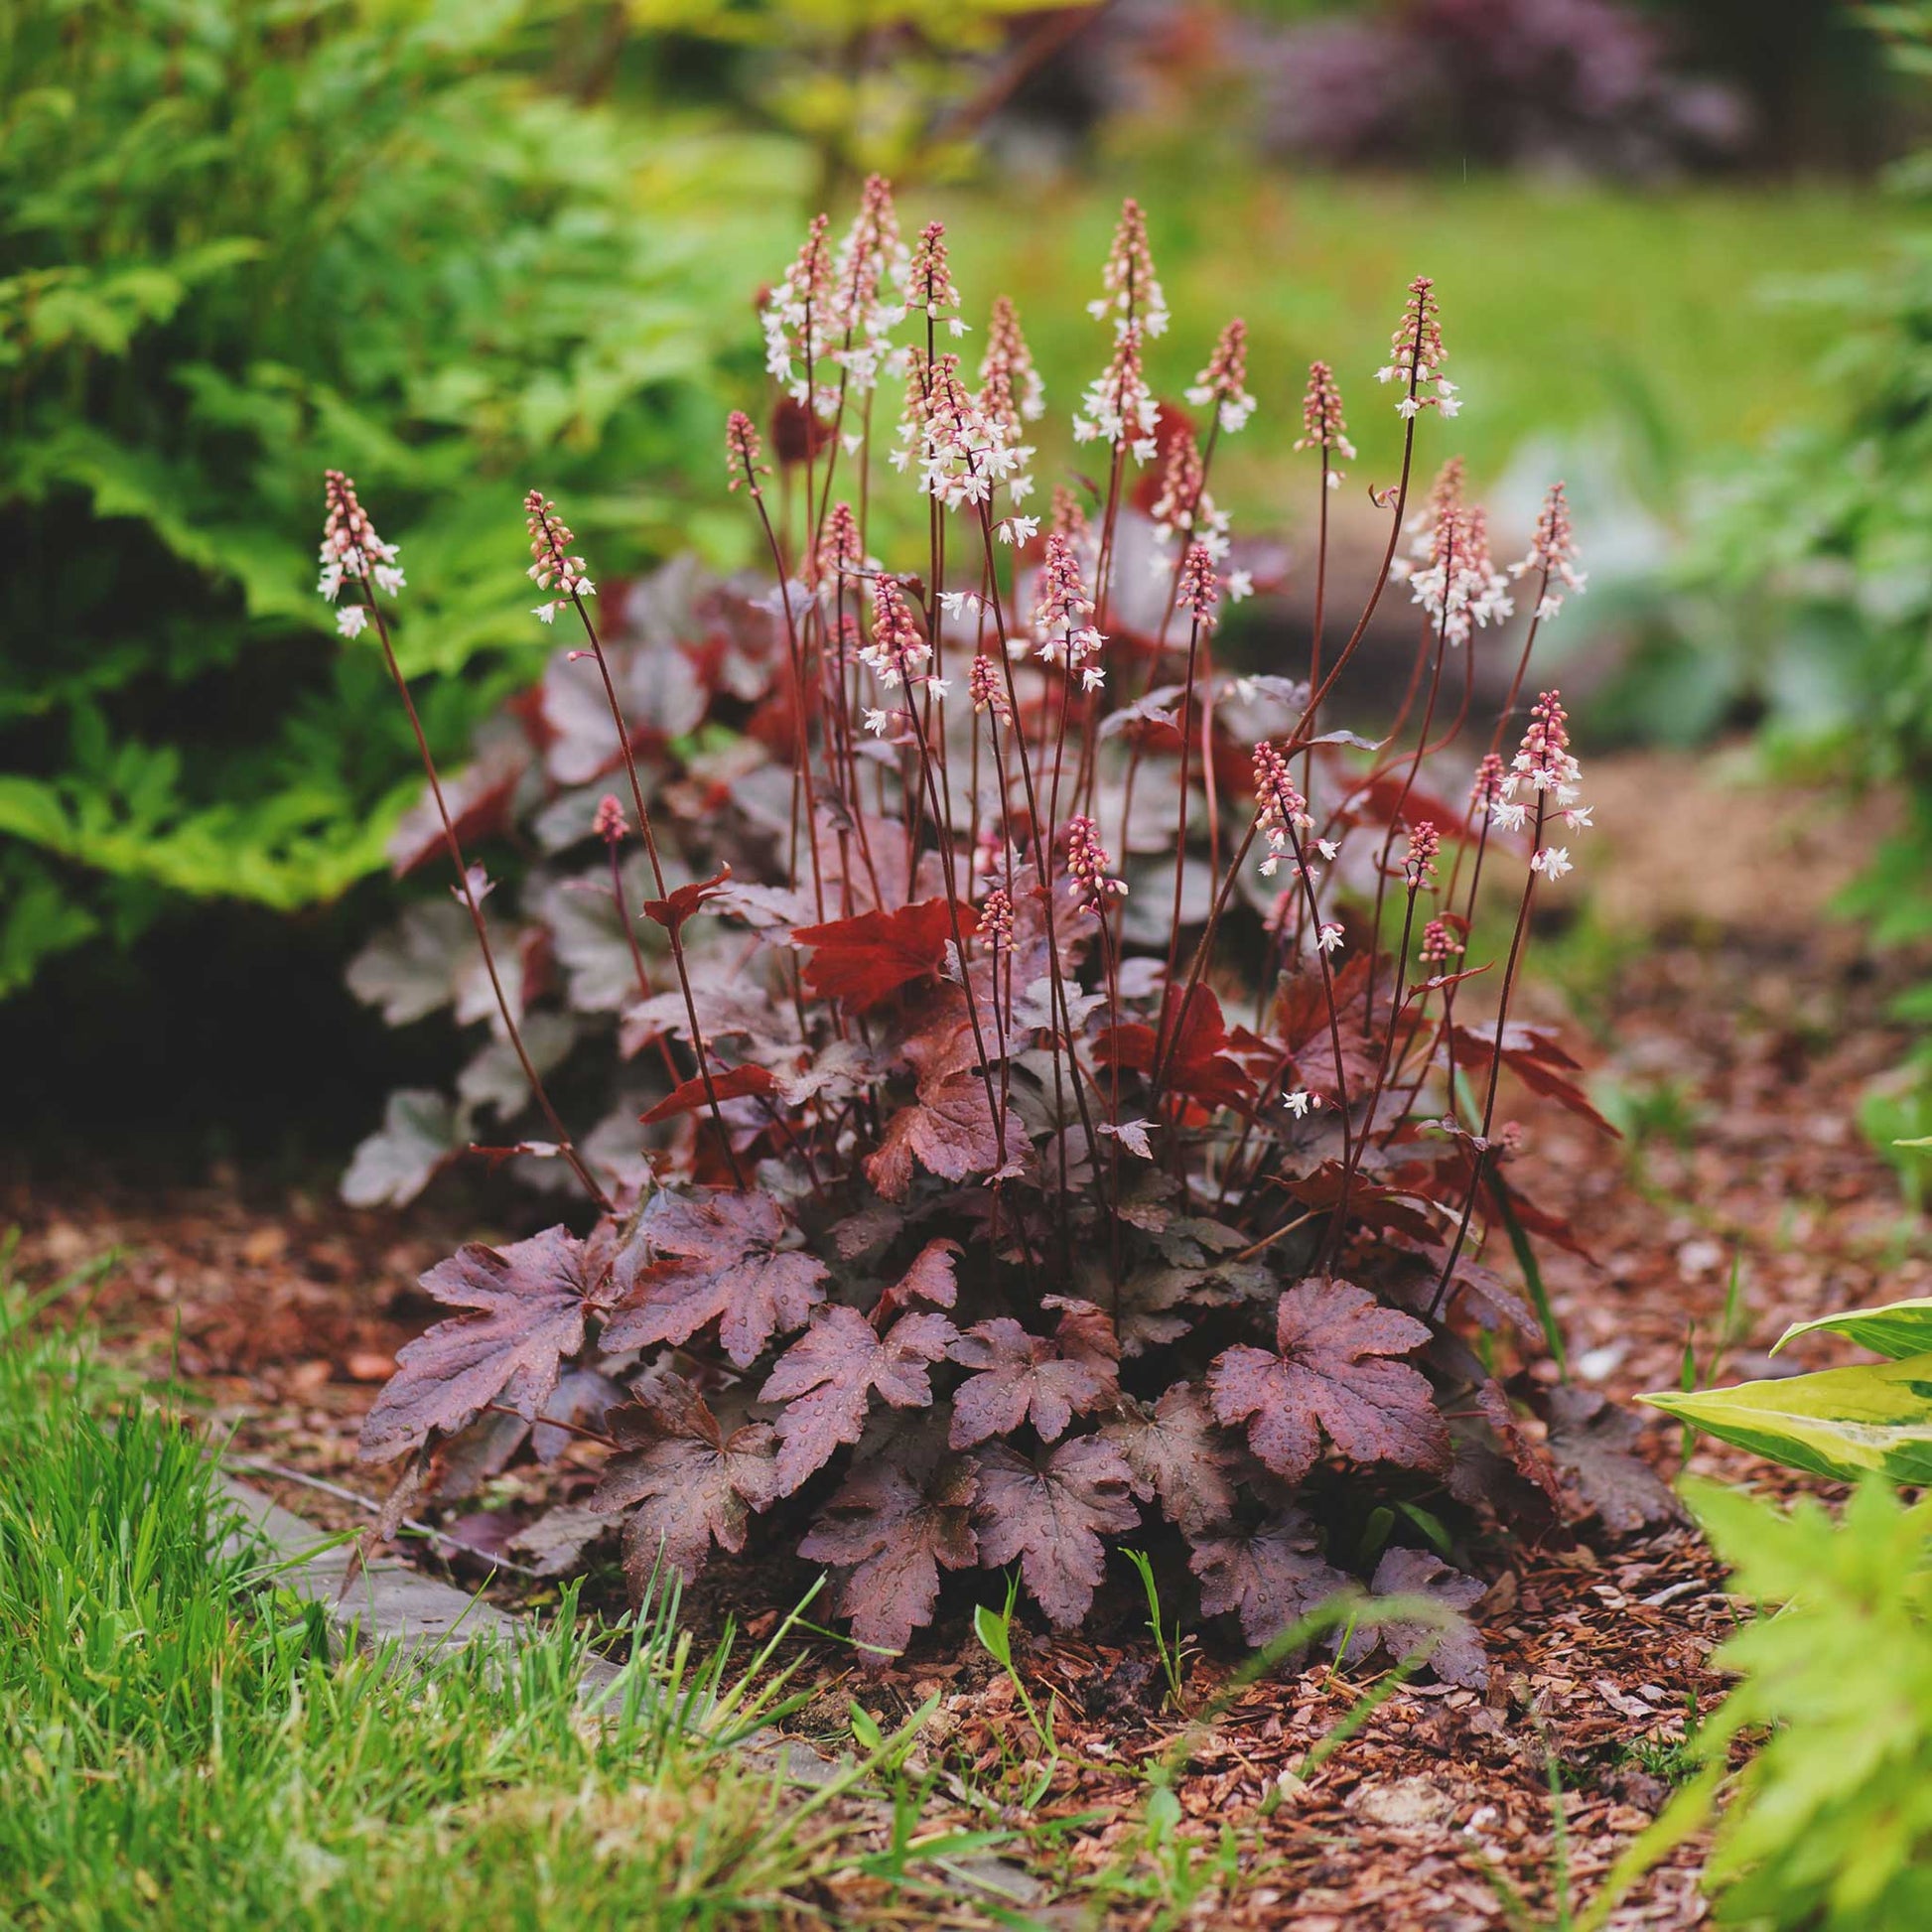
(610, 824)
(1087, 865)
(868, 287)
(744, 455)
(1545, 766)
(1419, 865)
(840, 553)
(1223, 384)
(1416, 355)
(1011, 391)
(1062, 608)
(1281, 813)
(1199, 589)
(553, 569)
(996, 920)
(799, 317)
(1133, 295)
(1322, 426)
(983, 686)
(930, 287)
(897, 651)
(1553, 552)
(352, 551)
(1441, 943)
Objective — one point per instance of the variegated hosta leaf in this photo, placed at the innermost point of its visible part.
(1843, 1423)
(1898, 1329)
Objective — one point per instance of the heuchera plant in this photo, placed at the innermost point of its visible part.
(990, 1200)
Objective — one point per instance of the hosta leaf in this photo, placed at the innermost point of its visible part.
(530, 1301)
(1331, 1372)
(828, 1376)
(713, 1258)
(1898, 1329)
(894, 1523)
(688, 1483)
(1270, 1577)
(1051, 1515)
(1844, 1422)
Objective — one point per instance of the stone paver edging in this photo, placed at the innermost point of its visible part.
(388, 1602)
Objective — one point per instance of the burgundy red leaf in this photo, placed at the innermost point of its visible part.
(1049, 1515)
(1331, 1372)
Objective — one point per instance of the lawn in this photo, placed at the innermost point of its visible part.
(182, 1743)
(1564, 305)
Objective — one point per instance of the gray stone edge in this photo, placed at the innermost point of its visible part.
(390, 1603)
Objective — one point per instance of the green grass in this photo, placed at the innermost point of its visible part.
(1563, 305)
(181, 1745)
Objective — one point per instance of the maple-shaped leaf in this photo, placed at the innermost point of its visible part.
(530, 1301)
(672, 911)
(713, 1256)
(419, 1135)
(1022, 1377)
(1591, 1442)
(728, 1083)
(893, 1526)
(1051, 1516)
(1175, 1457)
(1455, 1652)
(867, 959)
(1385, 1210)
(1332, 1372)
(688, 1483)
(1301, 1026)
(1538, 1059)
(1196, 1053)
(828, 1376)
(932, 1278)
(949, 1131)
(413, 968)
(1270, 1577)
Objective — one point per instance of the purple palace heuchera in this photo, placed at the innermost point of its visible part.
(1053, 1096)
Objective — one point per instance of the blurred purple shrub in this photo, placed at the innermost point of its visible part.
(1579, 84)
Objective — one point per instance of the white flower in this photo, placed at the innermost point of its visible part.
(1509, 817)
(351, 619)
(938, 686)
(1018, 529)
(876, 721)
(1328, 848)
(547, 612)
(1240, 586)
(387, 578)
(1576, 817)
(1298, 1102)
(1328, 938)
(1552, 862)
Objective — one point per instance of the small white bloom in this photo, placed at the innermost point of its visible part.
(1328, 848)
(547, 612)
(876, 721)
(1329, 939)
(351, 619)
(1552, 862)
(1298, 1102)
(1240, 586)
(387, 578)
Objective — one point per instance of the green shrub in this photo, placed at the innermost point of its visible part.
(233, 239)
(1828, 1826)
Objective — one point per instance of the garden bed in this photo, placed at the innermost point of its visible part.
(1733, 1049)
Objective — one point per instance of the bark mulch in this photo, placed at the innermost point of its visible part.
(1734, 1030)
